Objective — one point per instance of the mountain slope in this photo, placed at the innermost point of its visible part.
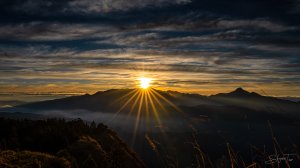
(242, 98)
(112, 101)
(59, 142)
(239, 93)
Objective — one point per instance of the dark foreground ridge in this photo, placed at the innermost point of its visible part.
(57, 143)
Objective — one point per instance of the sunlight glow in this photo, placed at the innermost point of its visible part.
(147, 105)
(145, 82)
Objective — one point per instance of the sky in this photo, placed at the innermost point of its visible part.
(196, 46)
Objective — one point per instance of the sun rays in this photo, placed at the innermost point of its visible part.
(147, 106)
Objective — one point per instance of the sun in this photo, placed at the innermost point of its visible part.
(145, 82)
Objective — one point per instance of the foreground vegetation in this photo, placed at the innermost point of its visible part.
(58, 143)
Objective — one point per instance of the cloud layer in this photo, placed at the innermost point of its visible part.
(205, 47)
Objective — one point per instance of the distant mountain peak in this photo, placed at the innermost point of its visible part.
(240, 89)
(239, 92)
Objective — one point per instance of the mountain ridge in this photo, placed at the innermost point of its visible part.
(112, 101)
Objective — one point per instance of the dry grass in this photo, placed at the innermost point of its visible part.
(233, 159)
(28, 159)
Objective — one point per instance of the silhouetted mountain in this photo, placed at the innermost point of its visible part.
(239, 93)
(254, 101)
(104, 101)
(113, 100)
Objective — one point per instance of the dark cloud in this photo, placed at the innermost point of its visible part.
(251, 41)
(82, 7)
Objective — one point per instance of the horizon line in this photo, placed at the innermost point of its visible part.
(91, 93)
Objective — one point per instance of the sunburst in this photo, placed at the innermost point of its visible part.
(145, 82)
(146, 103)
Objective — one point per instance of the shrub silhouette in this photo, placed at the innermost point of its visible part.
(56, 141)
